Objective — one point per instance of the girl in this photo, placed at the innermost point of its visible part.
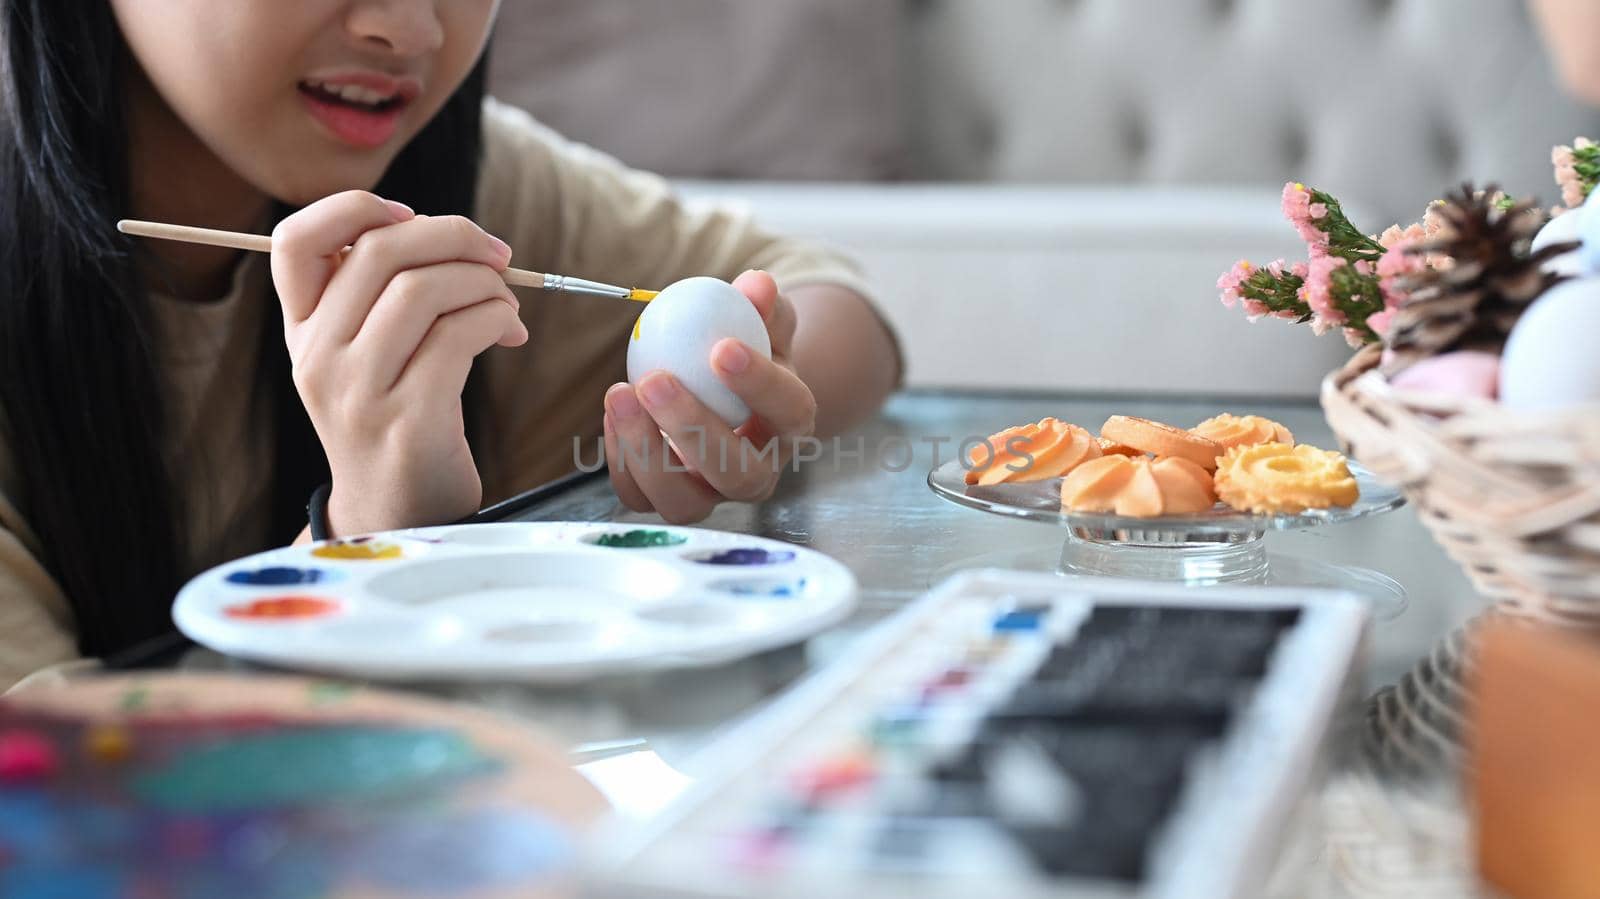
(165, 407)
(1571, 31)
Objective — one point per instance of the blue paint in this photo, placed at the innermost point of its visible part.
(448, 854)
(747, 556)
(1019, 621)
(31, 824)
(765, 589)
(308, 767)
(898, 726)
(282, 576)
(67, 879)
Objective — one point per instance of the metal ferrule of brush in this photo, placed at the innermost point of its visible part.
(579, 285)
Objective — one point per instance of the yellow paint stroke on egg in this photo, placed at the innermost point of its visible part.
(636, 322)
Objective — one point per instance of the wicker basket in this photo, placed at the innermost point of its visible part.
(1513, 497)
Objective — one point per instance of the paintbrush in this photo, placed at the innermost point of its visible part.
(261, 243)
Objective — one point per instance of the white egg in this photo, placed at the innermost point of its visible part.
(1550, 360)
(1589, 232)
(677, 330)
(1561, 229)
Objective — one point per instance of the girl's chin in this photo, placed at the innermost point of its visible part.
(298, 192)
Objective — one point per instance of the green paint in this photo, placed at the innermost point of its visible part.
(330, 692)
(311, 765)
(135, 700)
(642, 539)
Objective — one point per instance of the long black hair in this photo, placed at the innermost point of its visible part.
(81, 398)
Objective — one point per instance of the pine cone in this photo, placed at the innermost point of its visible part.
(1472, 301)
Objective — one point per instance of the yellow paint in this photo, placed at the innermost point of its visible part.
(636, 323)
(357, 552)
(642, 296)
(108, 743)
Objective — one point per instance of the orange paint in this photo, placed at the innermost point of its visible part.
(283, 607)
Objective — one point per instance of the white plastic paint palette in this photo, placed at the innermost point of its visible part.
(521, 601)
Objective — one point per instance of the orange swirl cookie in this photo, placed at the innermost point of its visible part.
(1243, 430)
(1036, 452)
(1278, 477)
(1159, 439)
(1138, 487)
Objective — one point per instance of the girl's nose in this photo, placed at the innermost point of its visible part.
(402, 27)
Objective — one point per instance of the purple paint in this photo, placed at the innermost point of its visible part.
(747, 556)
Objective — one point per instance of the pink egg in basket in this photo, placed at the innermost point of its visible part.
(1468, 373)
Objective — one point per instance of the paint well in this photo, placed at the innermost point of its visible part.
(745, 556)
(640, 539)
(763, 588)
(281, 576)
(359, 550)
(280, 608)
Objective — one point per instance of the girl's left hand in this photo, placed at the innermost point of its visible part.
(722, 463)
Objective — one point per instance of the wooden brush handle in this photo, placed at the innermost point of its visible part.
(261, 243)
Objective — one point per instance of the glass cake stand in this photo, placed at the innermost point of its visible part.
(1220, 546)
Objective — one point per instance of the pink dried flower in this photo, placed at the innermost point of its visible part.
(1379, 321)
(1319, 290)
(1397, 235)
(1396, 263)
(1432, 222)
(1255, 309)
(1301, 212)
(1232, 280)
(1576, 170)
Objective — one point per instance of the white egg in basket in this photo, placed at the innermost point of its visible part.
(1550, 360)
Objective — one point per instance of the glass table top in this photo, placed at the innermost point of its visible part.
(866, 502)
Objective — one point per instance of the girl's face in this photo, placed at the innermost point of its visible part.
(1572, 32)
(306, 98)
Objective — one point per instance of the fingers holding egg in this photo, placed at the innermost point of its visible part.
(678, 330)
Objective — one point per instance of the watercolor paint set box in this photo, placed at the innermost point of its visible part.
(1023, 735)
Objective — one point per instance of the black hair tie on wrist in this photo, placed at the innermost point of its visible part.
(317, 512)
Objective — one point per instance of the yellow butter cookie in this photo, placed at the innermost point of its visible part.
(1279, 477)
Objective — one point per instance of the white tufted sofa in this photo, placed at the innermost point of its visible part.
(1083, 170)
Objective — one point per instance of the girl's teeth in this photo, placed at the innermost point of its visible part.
(358, 94)
(350, 93)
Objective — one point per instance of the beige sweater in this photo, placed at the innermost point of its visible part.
(563, 208)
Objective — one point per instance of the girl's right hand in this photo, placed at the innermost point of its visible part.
(382, 339)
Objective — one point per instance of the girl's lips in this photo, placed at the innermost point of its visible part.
(364, 128)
